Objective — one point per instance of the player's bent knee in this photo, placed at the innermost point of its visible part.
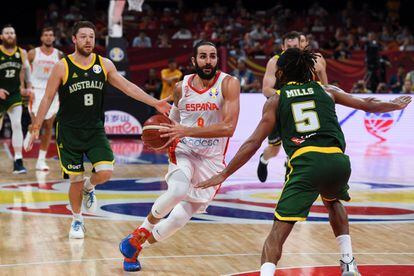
(103, 176)
(76, 178)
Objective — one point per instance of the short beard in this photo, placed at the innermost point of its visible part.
(203, 75)
(9, 45)
(83, 53)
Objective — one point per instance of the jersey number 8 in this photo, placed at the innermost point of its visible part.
(88, 99)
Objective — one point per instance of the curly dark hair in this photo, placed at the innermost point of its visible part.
(295, 65)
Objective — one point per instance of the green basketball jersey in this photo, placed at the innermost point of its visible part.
(81, 95)
(10, 67)
(306, 117)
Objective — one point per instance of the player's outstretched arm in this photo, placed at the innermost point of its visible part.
(56, 77)
(370, 104)
(225, 128)
(249, 148)
(269, 79)
(320, 69)
(130, 89)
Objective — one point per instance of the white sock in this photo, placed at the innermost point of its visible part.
(344, 243)
(18, 155)
(264, 161)
(42, 154)
(147, 225)
(267, 269)
(77, 216)
(87, 185)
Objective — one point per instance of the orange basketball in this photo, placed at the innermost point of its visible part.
(150, 132)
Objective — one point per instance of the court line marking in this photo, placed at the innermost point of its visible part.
(193, 256)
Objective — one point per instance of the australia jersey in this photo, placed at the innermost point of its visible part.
(306, 117)
(81, 94)
(10, 67)
(201, 108)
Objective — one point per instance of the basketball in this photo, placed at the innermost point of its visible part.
(150, 133)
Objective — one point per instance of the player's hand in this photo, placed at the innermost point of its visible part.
(34, 135)
(163, 106)
(26, 92)
(402, 101)
(173, 130)
(3, 93)
(214, 181)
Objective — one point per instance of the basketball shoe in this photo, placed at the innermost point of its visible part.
(18, 167)
(77, 230)
(262, 170)
(41, 165)
(130, 247)
(349, 269)
(89, 201)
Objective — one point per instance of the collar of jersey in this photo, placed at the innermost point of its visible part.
(82, 66)
(6, 53)
(294, 83)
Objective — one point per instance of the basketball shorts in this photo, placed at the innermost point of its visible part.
(12, 100)
(35, 103)
(312, 174)
(274, 138)
(197, 168)
(74, 143)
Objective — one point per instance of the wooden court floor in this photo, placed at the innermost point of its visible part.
(38, 244)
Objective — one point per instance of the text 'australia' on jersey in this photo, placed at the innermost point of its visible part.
(306, 117)
(81, 96)
(10, 67)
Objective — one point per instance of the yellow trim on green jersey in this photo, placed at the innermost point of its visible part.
(303, 150)
(103, 67)
(103, 162)
(65, 78)
(86, 67)
(6, 53)
(279, 217)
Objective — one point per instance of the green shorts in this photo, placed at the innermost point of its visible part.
(274, 138)
(74, 143)
(12, 100)
(320, 171)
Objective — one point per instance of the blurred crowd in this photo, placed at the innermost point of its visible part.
(254, 33)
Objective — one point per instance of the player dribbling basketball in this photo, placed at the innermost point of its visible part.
(207, 106)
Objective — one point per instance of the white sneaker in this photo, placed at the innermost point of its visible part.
(89, 201)
(77, 230)
(349, 269)
(41, 165)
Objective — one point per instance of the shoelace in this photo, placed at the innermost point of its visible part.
(77, 225)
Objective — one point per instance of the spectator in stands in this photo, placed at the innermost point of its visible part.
(407, 45)
(382, 88)
(164, 42)
(360, 87)
(169, 76)
(237, 52)
(397, 80)
(248, 82)
(258, 32)
(153, 84)
(313, 44)
(142, 41)
(182, 33)
(408, 87)
(341, 52)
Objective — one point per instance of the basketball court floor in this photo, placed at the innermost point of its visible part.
(227, 240)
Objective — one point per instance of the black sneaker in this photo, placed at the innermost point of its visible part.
(18, 167)
(262, 170)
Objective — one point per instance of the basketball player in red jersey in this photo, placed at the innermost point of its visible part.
(206, 105)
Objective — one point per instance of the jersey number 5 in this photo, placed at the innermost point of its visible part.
(306, 119)
(88, 99)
